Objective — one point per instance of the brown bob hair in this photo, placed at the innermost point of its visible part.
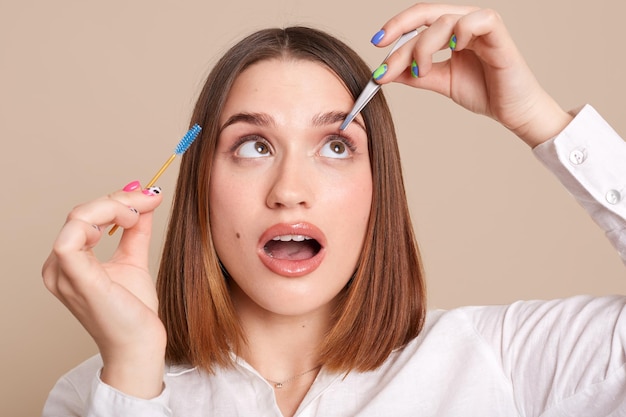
(383, 306)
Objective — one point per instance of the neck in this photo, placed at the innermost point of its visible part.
(279, 346)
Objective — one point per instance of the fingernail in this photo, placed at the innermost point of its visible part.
(131, 186)
(415, 71)
(152, 191)
(453, 42)
(380, 71)
(378, 37)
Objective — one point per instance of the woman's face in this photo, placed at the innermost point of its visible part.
(290, 196)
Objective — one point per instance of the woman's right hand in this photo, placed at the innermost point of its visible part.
(115, 300)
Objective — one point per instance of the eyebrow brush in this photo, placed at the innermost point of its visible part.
(182, 146)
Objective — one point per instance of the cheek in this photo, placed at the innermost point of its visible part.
(224, 193)
(232, 210)
(350, 211)
(355, 199)
(222, 210)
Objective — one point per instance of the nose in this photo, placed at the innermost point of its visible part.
(291, 185)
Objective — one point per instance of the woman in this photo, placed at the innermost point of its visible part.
(291, 283)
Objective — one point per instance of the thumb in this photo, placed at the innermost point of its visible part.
(134, 245)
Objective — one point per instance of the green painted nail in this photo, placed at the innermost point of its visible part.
(415, 71)
(380, 71)
(453, 42)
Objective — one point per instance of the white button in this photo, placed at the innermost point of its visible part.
(613, 197)
(577, 157)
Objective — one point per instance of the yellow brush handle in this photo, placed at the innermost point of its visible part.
(150, 184)
(161, 171)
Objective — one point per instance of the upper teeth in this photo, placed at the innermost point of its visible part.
(287, 238)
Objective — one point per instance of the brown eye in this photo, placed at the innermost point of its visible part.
(261, 148)
(336, 148)
(253, 148)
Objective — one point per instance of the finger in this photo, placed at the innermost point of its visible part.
(135, 242)
(74, 240)
(48, 271)
(53, 274)
(106, 211)
(416, 16)
(71, 260)
(83, 228)
(120, 207)
(396, 63)
(429, 41)
(76, 235)
(143, 201)
(485, 34)
(78, 279)
(432, 40)
(438, 79)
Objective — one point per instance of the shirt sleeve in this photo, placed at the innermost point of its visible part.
(106, 401)
(568, 357)
(589, 158)
(562, 357)
(81, 393)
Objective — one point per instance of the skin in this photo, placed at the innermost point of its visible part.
(116, 300)
(486, 73)
(299, 177)
(287, 166)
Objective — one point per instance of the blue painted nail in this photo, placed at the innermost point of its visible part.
(378, 37)
(453, 42)
(415, 71)
(380, 71)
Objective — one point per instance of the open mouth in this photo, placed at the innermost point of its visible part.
(292, 247)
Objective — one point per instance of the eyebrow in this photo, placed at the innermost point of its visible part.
(258, 119)
(332, 118)
(264, 119)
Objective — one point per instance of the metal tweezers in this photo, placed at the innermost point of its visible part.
(372, 86)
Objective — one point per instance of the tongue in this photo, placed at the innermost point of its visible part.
(292, 251)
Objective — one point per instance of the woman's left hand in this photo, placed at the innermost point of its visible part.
(485, 72)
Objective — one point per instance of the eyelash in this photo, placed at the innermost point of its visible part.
(345, 140)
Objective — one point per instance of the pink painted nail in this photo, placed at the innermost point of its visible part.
(152, 191)
(132, 186)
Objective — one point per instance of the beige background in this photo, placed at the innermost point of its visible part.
(96, 94)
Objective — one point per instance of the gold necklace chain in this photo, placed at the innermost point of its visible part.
(279, 385)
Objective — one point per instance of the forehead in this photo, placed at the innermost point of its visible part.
(288, 87)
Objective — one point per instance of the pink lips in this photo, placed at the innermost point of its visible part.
(297, 266)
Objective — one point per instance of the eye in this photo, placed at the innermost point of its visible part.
(253, 147)
(337, 147)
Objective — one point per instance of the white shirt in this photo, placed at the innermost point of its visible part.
(534, 358)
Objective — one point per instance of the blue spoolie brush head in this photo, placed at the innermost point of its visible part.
(187, 140)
